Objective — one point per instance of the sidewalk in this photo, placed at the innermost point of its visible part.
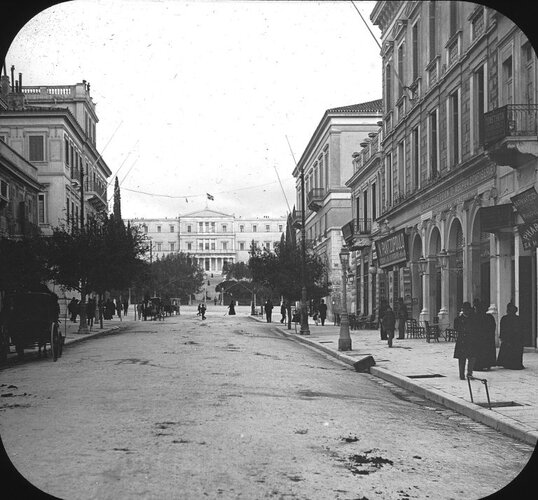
(410, 358)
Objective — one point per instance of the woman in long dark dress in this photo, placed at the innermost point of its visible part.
(486, 354)
(512, 340)
(231, 308)
(466, 344)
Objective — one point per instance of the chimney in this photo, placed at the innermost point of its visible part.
(20, 82)
(12, 78)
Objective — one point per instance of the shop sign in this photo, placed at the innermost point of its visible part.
(526, 204)
(497, 217)
(392, 249)
(529, 235)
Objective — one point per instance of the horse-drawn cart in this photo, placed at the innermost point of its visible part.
(30, 319)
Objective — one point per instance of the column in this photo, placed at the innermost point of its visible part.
(426, 287)
(500, 274)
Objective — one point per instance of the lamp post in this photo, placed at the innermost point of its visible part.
(344, 341)
(305, 330)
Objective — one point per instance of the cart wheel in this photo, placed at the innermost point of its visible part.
(54, 341)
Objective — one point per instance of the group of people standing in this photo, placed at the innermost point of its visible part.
(319, 312)
(475, 344)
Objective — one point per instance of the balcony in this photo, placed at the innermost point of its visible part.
(511, 134)
(314, 198)
(356, 233)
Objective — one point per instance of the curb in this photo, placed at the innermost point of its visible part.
(498, 422)
(80, 337)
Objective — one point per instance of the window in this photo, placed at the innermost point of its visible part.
(267, 228)
(172, 246)
(241, 228)
(479, 99)
(206, 245)
(212, 227)
(414, 48)
(37, 147)
(189, 229)
(189, 246)
(200, 227)
(388, 179)
(477, 25)
(365, 209)
(66, 151)
(388, 87)
(171, 228)
(159, 247)
(254, 228)
(267, 244)
(401, 168)
(432, 33)
(415, 145)
(453, 14)
(374, 201)
(158, 229)
(400, 69)
(145, 229)
(241, 245)
(213, 247)
(224, 228)
(201, 245)
(280, 228)
(434, 136)
(67, 213)
(41, 217)
(455, 127)
(4, 189)
(507, 83)
(225, 245)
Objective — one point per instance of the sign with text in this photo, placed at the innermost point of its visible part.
(526, 204)
(529, 235)
(392, 249)
(497, 217)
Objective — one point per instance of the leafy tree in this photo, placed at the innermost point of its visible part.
(237, 271)
(176, 275)
(102, 255)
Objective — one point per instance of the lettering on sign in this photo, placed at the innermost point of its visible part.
(529, 235)
(392, 249)
(526, 204)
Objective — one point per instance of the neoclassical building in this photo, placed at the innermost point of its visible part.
(326, 165)
(54, 128)
(454, 165)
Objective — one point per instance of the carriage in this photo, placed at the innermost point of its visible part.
(153, 309)
(30, 319)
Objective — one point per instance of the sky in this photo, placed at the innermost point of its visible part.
(203, 97)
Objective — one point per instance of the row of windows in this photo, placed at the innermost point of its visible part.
(210, 227)
(209, 245)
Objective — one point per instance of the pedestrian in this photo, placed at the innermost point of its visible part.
(125, 307)
(283, 311)
(389, 322)
(109, 309)
(90, 311)
(202, 310)
(402, 318)
(466, 343)
(139, 310)
(322, 308)
(71, 308)
(215, 301)
(231, 308)
(268, 310)
(512, 340)
(380, 313)
(119, 307)
(199, 310)
(315, 316)
(486, 354)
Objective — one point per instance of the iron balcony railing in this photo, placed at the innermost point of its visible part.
(512, 120)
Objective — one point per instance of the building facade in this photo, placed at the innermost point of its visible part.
(212, 238)
(326, 165)
(454, 158)
(54, 128)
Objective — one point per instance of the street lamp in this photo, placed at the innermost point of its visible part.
(422, 266)
(344, 341)
(443, 259)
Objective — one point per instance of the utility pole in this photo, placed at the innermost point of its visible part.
(305, 330)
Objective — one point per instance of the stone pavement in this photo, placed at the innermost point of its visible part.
(429, 369)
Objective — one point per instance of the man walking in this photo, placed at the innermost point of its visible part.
(322, 308)
(389, 321)
(466, 348)
(268, 310)
(283, 311)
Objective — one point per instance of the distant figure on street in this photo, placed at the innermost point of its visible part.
(202, 310)
(382, 308)
(125, 307)
(389, 322)
(486, 354)
(199, 310)
(119, 307)
(466, 343)
(402, 318)
(268, 310)
(109, 309)
(315, 316)
(322, 308)
(512, 340)
(90, 311)
(72, 308)
(283, 311)
(139, 310)
(231, 308)
(215, 301)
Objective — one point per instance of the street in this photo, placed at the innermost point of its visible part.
(229, 408)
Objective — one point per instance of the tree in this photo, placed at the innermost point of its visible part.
(236, 270)
(102, 255)
(176, 275)
(116, 209)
